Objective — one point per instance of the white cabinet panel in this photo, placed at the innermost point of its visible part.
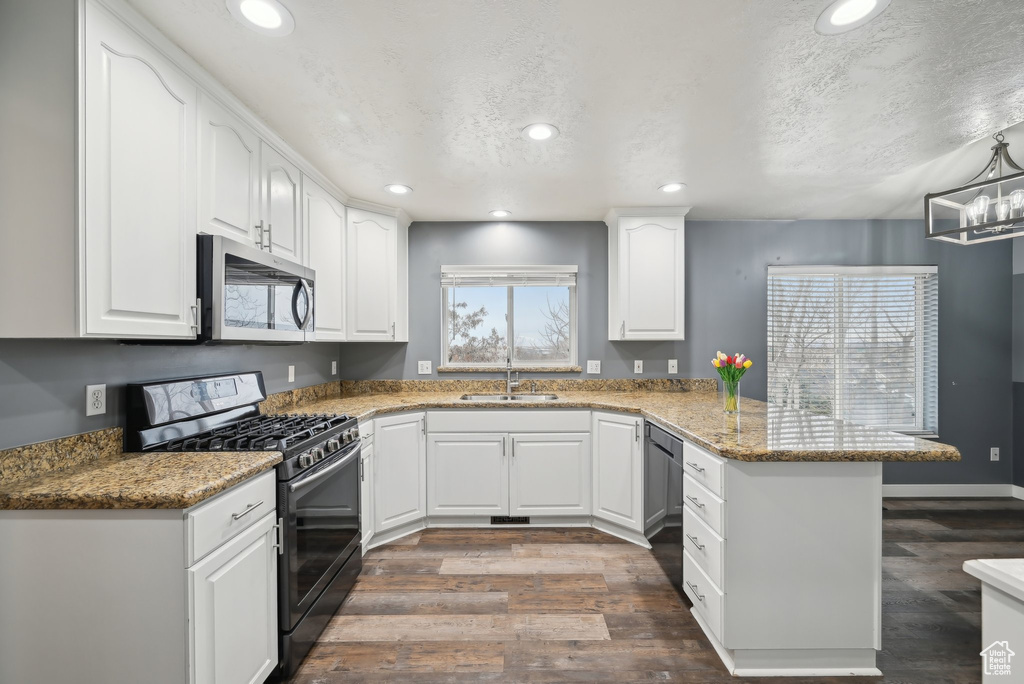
(400, 470)
(467, 474)
(233, 616)
(646, 276)
(229, 173)
(618, 470)
(324, 218)
(280, 205)
(366, 523)
(550, 474)
(372, 276)
(138, 270)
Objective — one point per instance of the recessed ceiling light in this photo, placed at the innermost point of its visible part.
(540, 131)
(398, 189)
(500, 213)
(672, 187)
(268, 17)
(846, 15)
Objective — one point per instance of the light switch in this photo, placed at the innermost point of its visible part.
(593, 367)
(638, 366)
(673, 366)
(423, 368)
(334, 367)
(291, 373)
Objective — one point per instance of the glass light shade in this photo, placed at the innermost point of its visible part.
(981, 203)
(972, 215)
(1003, 210)
(1017, 201)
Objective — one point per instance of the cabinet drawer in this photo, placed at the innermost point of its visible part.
(704, 546)
(704, 504)
(216, 521)
(705, 468)
(707, 599)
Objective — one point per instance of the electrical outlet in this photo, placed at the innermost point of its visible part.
(593, 367)
(423, 367)
(993, 454)
(334, 367)
(638, 366)
(673, 366)
(95, 400)
(291, 373)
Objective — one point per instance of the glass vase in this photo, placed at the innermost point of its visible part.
(731, 396)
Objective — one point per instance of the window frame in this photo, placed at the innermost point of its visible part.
(920, 380)
(508, 271)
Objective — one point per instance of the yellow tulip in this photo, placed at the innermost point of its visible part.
(748, 363)
(716, 364)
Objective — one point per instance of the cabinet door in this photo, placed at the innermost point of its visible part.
(324, 219)
(366, 522)
(550, 474)
(229, 175)
(618, 471)
(233, 609)
(139, 228)
(372, 276)
(651, 278)
(280, 205)
(467, 474)
(399, 483)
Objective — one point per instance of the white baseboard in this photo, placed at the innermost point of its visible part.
(951, 490)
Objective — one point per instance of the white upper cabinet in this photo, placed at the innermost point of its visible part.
(373, 277)
(229, 175)
(280, 206)
(646, 274)
(138, 234)
(324, 219)
(618, 470)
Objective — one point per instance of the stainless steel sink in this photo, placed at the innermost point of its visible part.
(509, 397)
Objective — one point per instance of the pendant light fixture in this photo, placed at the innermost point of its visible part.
(982, 210)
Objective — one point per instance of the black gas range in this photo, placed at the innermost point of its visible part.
(318, 497)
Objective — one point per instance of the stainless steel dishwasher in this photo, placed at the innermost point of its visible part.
(663, 497)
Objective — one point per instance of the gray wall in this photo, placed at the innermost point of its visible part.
(1018, 362)
(44, 381)
(725, 309)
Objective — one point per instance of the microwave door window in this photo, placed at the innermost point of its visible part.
(258, 296)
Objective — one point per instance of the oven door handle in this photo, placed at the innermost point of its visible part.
(302, 287)
(306, 482)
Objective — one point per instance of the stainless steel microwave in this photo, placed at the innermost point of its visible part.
(249, 295)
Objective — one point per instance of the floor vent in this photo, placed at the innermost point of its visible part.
(510, 520)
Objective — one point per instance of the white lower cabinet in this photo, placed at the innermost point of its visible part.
(233, 609)
(467, 474)
(400, 472)
(367, 524)
(618, 470)
(550, 474)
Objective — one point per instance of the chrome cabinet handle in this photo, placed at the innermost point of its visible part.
(696, 503)
(693, 588)
(392, 331)
(700, 547)
(247, 511)
(197, 316)
(270, 237)
(638, 430)
(622, 331)
(259, 234)
(695, 466)
(280, 537)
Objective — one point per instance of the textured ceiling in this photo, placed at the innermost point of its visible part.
(741, 99)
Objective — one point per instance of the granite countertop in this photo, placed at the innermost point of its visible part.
(760, 432)
(148, 480)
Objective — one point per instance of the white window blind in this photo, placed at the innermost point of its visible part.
(856, 343)
(559, 276)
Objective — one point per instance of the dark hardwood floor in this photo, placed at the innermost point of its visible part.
(576, 605)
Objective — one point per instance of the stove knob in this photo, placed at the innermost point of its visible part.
(333, 445)
(350, 435)
(316, 454)
(305, 461)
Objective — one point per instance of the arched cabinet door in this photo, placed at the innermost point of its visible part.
(646, 277)
(280, 204)
(372, 276)
(139, 188)
(229, 175)
(324, 220)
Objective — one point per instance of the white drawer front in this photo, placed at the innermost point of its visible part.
(214, 522)
(706, 547)
(705, 468)
(704, 504)
(707, 599)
